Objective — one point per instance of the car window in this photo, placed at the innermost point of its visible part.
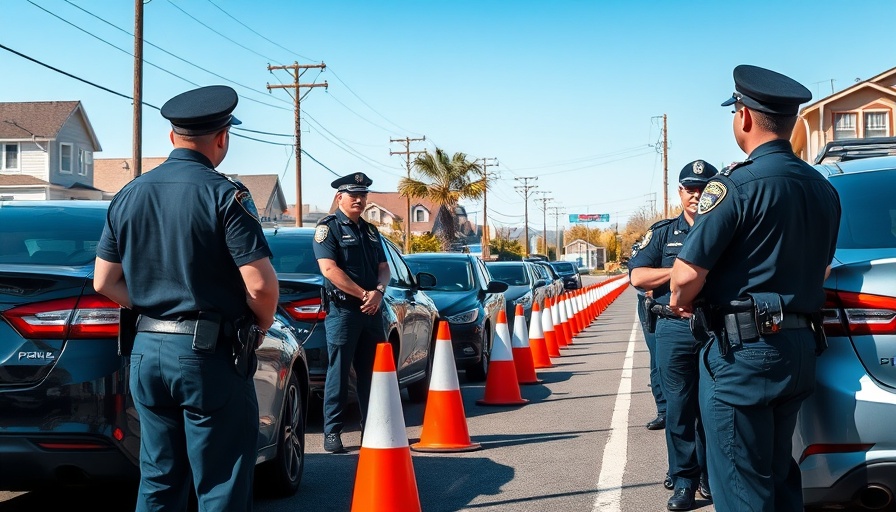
(451, 274)
(293, 254)
(514, 275)
(56, 237)
(401, 274)
(868, 219)
(485, 276)
(563, 267)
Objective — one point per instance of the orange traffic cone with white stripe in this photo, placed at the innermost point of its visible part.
(522, 351)
(537, 344)
(547, 326)
(561, 323)
(501, 384)
(385, 478)
(444, 421)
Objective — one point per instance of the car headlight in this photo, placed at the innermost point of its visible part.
(525, 300)
(463, 318)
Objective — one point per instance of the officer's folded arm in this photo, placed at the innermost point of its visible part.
(108, 280)
(687, 281)
(339, 278)
(262, 290)
(648, 278)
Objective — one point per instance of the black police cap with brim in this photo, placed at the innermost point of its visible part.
(767, 91)
(202, 111)
(697, 174)
(353, 183)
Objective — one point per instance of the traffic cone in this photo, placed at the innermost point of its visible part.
(501, 384)
(444, 422)
(540, 356)
(385, 477)
(522, 351)
(547, 325)
(561, 324)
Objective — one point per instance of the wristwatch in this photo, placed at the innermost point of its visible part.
(381, 288)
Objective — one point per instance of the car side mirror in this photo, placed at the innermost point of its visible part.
(425, 280)
(496, 287)
(540, 283)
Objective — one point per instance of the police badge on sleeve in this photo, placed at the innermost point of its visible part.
(645, 241)
(711, 197)
(321, 232)
(244, 199)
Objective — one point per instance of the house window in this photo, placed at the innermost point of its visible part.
(373, 215)
(85, 161)
(876, 124)
(421, 215)
(10, 157)
(845, 126)
(65, 158)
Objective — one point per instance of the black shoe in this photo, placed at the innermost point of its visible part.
(703, 488)
(682, 499)
(658, 423)
(333, 443)
(667, 483)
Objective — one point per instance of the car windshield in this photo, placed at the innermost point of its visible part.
(514, 275)
(293, 255)
(50, 235)
(869, 210)
(452, 275)
(564, 267)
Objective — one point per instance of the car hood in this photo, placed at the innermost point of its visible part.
(452, 303)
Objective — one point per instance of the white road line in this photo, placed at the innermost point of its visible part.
(612, 467)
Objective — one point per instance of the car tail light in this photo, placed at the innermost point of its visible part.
(306, 309)
(818, 449)
(92, 316)
(849, 313)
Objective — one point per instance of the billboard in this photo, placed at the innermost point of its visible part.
(589, 217)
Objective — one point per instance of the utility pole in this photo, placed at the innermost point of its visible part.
(407, 152)
(525, 188)
(665, 170)
(544, 208)
(486, 253)
(138, 88)
(295, 70)
(557, 212)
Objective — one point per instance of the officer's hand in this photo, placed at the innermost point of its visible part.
(371, 302)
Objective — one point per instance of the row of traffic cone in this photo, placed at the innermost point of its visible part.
(385, 479)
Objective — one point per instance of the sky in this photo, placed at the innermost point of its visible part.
(566, 97)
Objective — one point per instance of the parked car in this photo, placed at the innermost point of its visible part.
(409, 315)
(547, 272)
(854, 149)
(66, 414)
(844, 439)
(570, 274)
(469, 299)
(525, 288)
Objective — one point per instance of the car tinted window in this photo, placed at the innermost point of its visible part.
(293, 254)
(514, 275)
(451, 274)
(401, 275)
(868, 218)
(563, 267)
(50, 236)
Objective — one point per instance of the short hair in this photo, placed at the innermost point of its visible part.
(779, 124)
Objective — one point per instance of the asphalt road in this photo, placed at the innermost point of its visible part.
(579, 444)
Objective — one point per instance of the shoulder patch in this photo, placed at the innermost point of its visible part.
(712, 195)
(244, 199)
(321, 232)
(646, 240)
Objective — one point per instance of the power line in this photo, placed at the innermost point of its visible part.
(220, 34)
(256, 33)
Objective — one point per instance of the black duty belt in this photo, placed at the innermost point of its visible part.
(147, 324)
(790, 320)
(795, 321)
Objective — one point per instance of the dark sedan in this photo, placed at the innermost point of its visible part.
(409, 315)
(469, 299)
(525, 288)
(570, 274)
(66, 415)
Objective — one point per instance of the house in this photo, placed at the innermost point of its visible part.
(111, 174)
(585, 254)
(46, 151)
(386, 208)
(865, 109)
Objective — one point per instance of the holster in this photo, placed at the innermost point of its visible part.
(700, 328)
(649, 316)
(324, 300)
(127, 330)
(248, 337)
(821, 339)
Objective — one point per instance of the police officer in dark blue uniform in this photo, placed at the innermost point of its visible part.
(676, 349)
(183, 247)
(353, 263)
(648, 329)
(757, 256)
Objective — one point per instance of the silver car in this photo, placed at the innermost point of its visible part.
(845, 440)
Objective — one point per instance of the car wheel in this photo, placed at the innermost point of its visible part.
(418, 391)
(282, 475)
(477, 372)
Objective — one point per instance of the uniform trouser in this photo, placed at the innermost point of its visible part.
(750, 400)
(678, 359)
(650, 338)
(197, 415)
(352, 337)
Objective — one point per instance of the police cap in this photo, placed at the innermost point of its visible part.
(697, 174)
(201, 111)
(353, 183)
(767, 91)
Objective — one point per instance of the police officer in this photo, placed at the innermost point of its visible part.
(676, 349)
(656, 388)
(353, 263)
(183, 247)
(757, 257)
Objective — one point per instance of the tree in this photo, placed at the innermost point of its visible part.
(502, 248)
(426, 242)
(444, 181)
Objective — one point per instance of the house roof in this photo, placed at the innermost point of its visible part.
(263, 187)
(20, 180)
(871, 83)
(397, 205)
(41, 120)
(111, 174)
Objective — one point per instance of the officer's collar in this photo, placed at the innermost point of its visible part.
(344, 219)
(772, 146)
(191, 155)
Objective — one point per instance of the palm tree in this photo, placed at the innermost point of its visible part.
(444, 181)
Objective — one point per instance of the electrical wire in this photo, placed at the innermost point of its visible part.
(256, 33)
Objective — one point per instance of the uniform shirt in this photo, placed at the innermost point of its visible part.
(356, 248)
(768, 224)
(658, 249)
(180, 233)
